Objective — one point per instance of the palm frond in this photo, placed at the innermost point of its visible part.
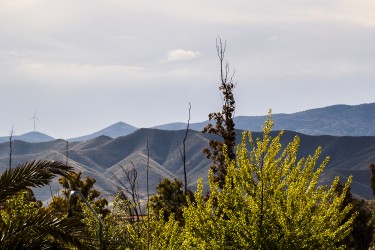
(44, 230)
(30, 174)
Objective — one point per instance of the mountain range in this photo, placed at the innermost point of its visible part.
(348, 138)
(115, 130)
(29, 137)
(337, 120)
(104, 158)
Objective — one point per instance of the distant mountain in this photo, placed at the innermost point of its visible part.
(114, 131)
(338, 120)
(198, 126)
(103, 157)
(172, 126)
(29, 137)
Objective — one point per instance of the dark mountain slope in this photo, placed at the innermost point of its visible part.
(92, 143)
(165, 157)
(104, 158)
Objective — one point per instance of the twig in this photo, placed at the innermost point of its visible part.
(184, 149)
(148, 198)
(10, 147)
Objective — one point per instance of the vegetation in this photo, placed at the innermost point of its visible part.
(73, 181)
(24, 223)
(270, 200)
(372, 168)
(261, 196)
(363, 226)
(169, 199)
(128, 193)
(224, 125)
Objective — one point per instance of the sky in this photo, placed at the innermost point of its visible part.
(83, 65)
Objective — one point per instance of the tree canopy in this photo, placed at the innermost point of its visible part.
(270, 200)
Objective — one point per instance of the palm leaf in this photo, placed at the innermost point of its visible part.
(30, 174)
(44, 230)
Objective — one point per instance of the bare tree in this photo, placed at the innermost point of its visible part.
(67, 153)
(66, 163)
(183, 151)
(128, 190)
(148, 197)
(11, 147)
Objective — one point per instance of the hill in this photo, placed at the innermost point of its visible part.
(114, 131)
(338, 120)
(104, 158)
(29, 137)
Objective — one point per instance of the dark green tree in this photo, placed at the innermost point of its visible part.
(73, 181)
(171, 198)
(361, 235)
(372, 168)
(224, 123)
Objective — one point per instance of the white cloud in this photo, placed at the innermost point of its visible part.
(179, 54)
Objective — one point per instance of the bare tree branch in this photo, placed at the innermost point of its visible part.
(184, 149)
(11, 147)
(128, 190)
(148, 198)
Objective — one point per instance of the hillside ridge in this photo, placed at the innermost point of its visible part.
(104, 157)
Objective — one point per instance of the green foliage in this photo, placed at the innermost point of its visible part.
(159, 235)
(73, 181)
(30, 174)
(119, 231)
(170, 198)
(166, 234)
(270, 200)
(24, 223)
(60, 205)
(18, 206)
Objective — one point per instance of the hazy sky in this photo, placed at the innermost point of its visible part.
(83, 65)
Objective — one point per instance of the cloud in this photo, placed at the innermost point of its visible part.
(179, 54)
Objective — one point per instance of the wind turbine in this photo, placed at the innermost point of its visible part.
(34, 118)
